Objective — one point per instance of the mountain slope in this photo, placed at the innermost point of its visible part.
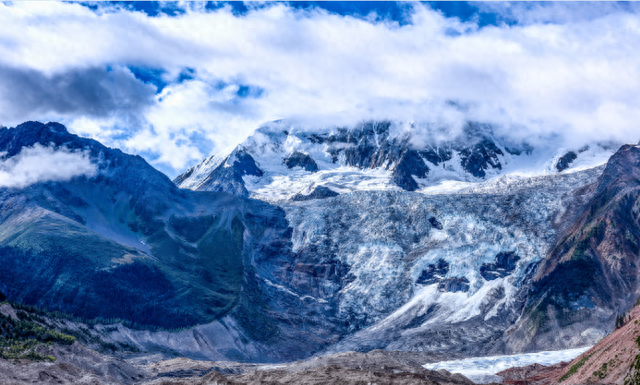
(591, 273)
(128, 244)
(613, 360)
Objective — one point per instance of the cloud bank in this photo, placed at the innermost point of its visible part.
(44, 164)
(177, 87)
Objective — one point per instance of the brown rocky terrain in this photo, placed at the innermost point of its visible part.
(614, 360)
(379, 367)
(529, 375)
(77, 365)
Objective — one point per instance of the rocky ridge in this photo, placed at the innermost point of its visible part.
(374, 155)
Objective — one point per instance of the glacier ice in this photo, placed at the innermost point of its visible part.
(482, 370)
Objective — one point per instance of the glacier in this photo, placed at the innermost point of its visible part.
(481, 370)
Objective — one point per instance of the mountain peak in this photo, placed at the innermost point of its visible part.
(41, 128)
(29, 133)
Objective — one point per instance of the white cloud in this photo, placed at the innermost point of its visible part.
(44, 164)
(566, 69)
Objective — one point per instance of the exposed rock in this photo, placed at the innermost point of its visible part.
(379, 367)
(403, 179)
(227, 176)
(434, 273)
(320, 192)
(196, 175)
(409, 165)
(583, 148)
(565, 161)
(478, 158)
(435, 223)
(184, 176)
(504, 264)
(437, 156)
(298, 159)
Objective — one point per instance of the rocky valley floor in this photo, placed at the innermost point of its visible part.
(78, 365)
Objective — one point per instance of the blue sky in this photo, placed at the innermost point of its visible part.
(176, 82)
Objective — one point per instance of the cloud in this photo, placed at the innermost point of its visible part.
(567, 71)
(96, 92)
(44, 164)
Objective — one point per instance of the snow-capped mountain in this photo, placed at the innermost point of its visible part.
(480, 265)
(282, 160)
(418, 242)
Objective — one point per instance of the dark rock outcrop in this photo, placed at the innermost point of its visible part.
(320, 192)
(298, 159)
(504, 265)
(565, 161)
(245, 164)
(435, 223)
(409, 165)
(434, 273)
(478, 158)
(436, 156)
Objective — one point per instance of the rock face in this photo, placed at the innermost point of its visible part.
(409, 165)
(227, 176)
(319, 192)
(435, 223)
(401, 154)
(481, 157)
(434, 273)
(298, 159)
(565, 161)
(504, 264)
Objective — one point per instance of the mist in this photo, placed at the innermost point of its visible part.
(44, 164)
